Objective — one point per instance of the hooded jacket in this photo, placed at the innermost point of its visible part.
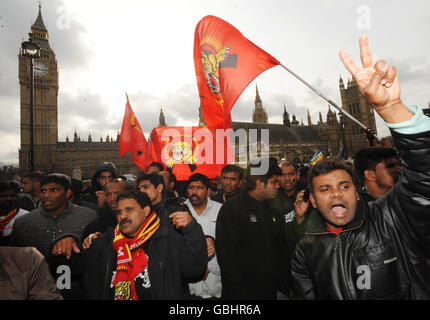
(90, 195)
(382, 252)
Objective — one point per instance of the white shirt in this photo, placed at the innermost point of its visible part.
(211, 287)
(7, 231)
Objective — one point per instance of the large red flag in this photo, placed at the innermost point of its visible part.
(132, 138)
(225, 62)
(189, 150)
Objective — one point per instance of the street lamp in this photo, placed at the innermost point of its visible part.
(342, 130)
(31, 50)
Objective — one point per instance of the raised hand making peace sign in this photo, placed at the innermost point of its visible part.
(378, 83)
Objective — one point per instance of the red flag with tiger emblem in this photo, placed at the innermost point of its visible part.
(132, 139)
(189, 150)
(225, 63)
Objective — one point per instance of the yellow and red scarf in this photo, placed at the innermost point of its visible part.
(8, 218)
(131, 258)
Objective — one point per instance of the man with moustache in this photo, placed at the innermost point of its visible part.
(205, 211)
(358, 250)
(250, 241)
(145, 257)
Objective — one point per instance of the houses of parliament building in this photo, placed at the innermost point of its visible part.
(292, 140)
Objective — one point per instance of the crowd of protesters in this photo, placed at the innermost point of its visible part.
(329, 231)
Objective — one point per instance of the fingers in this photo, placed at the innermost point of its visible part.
(376, 79)
(365, 55)
(390, 76)
(180, 218)
(352, 67)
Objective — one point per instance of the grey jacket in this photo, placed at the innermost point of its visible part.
(39, 229)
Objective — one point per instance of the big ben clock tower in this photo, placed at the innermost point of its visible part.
(45, 102)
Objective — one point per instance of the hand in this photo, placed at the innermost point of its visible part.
(64, 247)
(300, 207)
(379, 84)
(180, 218)
(101, 199)
(211, 246)
(88, 240)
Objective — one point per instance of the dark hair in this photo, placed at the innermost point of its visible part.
(199, 177)
(156, 164)
(303, 171)
(141, 198)
(154, 178)
(172, 177)
(35, 176)
(327, 166)
(76, 186)
(9, 185)
(58, 178)
(232, 168)
(367, 159)
(251, 180)
(289, 163)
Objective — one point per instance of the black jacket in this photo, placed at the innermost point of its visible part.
(173, 256)
(250, 246)
(382, 252)
(90, 194)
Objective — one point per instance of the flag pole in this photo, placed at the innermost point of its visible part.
(327, 99)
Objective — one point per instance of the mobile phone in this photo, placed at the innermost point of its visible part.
(306, 195)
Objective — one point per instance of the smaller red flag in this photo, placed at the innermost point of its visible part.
(132, 138)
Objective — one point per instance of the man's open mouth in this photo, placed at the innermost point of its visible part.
(338, 209)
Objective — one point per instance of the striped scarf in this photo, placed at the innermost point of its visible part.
(131, 258)
(6, 219)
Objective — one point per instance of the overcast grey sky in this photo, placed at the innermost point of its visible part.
(145, 48)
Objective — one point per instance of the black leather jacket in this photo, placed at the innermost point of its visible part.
(382, 252)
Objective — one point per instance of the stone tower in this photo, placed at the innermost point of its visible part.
(161, 119)
(45, 102)
(259, 115)
(286, 118)
(355, 103)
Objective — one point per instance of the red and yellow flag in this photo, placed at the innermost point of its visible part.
(132, 138)
(189, 150)
(225, 63)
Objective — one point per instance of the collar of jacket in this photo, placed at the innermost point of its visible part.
(317, 225)
(69, 209)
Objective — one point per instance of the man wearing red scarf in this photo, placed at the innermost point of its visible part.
(147, 256)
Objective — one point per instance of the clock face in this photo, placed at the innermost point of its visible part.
(40, 69)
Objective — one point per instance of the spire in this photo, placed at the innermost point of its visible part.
(294, 121)
(89, 138)
(259, 115)
(286, 117)
(39, 24)
(320, 118)
(257, 96)
(309, 119)
(161, 119)
(75, 136)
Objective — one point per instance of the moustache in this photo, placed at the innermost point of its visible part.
(124, 221)
(194, 197)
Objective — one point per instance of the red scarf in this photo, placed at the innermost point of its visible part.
(131, 258)
(6, 219)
